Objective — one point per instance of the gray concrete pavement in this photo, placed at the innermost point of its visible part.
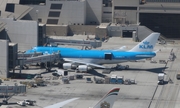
(145, 94)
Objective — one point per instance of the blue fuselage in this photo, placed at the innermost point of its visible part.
(94, 56)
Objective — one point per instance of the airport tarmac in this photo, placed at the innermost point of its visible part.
(145, 94)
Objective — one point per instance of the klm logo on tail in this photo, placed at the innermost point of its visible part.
(146, 45)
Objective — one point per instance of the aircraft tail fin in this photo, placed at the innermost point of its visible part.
(148, 44)
(108, 99)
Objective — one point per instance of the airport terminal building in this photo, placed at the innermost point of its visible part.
(157, 15)
(70, 15)
(27, 23)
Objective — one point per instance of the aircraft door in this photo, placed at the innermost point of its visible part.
(108, 56)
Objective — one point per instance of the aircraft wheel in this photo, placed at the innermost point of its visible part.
(5, 102)
(42, 65)
(127, 66)
(48, 69)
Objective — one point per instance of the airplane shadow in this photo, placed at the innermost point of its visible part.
(96, 73)
(21, 76)
(92, 72)
(153, 70)
(8, 104)
(50, 71)
(12, 103)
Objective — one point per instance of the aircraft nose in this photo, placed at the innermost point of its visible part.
(154, 54)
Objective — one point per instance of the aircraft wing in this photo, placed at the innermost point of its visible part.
(95, 65)
(61, 104)
(85, 63)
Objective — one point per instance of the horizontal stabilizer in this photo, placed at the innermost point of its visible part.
(61, 104)
(123, 48)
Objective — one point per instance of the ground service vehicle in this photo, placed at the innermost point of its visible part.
(60, 72)
(21, 103)
(161, 78)
(29, 102)
(178, 76)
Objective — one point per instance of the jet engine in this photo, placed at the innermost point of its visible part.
(69, 66)
(84, 68)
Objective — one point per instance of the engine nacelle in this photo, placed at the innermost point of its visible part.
(84, 68)
(69, 66)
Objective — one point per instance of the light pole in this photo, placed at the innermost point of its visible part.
(37, 11)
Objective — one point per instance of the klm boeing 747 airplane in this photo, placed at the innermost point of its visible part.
(86, 59)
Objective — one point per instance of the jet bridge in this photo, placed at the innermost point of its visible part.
(24, 56)
(37, 58)
(40, 59)
(7, 91)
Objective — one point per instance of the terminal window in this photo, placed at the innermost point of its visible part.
(56, 6)
(39, 20)
(125, 8)
(10, 7)
(52, 21)
(107, 12)
(35, 2)
(162, 1)
(54, 14)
